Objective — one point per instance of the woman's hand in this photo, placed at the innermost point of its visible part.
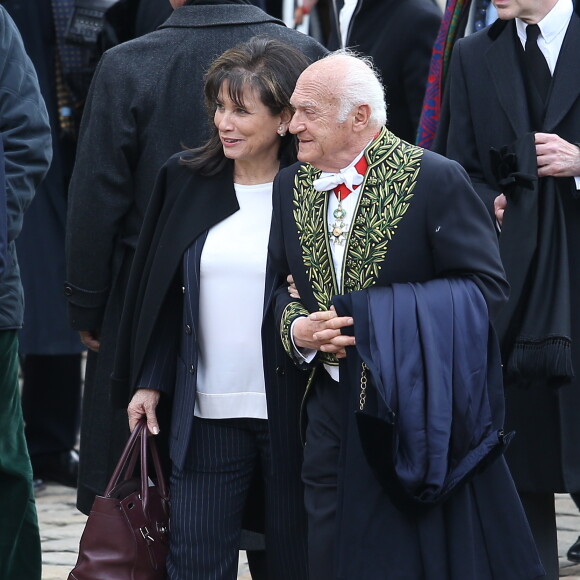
(143, 404)
(292, 287)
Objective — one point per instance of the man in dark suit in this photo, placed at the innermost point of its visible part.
(145, 104)
(514, 89)
(365, 209)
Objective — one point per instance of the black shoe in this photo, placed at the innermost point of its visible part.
(574, 552)
(61, 468)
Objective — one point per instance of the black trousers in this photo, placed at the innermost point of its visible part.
(320, 475)
(51, 398)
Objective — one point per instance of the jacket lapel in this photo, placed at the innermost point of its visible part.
(504, 68)
(565, 86)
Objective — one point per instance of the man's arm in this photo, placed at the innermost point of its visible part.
(24, 125)
(101, 192)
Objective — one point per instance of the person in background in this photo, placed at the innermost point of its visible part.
(200, 265)
(145, 102)
(514, 122)
(25, 154)
(50, 351)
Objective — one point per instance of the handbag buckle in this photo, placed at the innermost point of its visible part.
(146, 535)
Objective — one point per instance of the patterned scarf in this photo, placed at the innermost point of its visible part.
(442, 48)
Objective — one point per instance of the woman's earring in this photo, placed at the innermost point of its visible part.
(281, 131)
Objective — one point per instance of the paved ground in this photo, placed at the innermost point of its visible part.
(61, 526)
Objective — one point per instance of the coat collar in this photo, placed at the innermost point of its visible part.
(204, 15)
(503, 63)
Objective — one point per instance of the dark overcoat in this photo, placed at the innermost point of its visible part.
(488, 108)
(417, 219)
(399, 36)
(40, 245)
(183, 207)
(145, 104)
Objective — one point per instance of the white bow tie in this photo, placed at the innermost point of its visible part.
(350, 177)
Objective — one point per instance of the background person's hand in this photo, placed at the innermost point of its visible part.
(556, 157)
(90, 338)
(143, 404)
(499, 205)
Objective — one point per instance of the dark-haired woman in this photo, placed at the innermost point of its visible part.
(191, 331)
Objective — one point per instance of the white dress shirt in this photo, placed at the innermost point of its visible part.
(553, 29)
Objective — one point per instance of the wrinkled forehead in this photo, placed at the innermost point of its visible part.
(314, 90)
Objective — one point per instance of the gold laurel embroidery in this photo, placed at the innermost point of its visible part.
(291, 312)
(387, 191)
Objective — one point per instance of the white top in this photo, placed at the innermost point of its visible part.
(553, 28)
(230, 381)
(344, 18)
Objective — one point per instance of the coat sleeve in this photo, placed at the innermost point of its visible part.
(285, 309)
(461, 142)
(101, 191)
(24, 125)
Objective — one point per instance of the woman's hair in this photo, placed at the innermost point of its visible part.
(267, 66)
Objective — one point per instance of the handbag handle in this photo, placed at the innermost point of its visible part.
(127, 461)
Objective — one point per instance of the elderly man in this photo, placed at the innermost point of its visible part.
(514, 126)
(363, 220)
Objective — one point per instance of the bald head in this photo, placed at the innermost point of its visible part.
(340, 106)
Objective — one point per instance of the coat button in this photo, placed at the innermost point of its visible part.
(68, 291)
(280, 371)
(192, 370)
(183, 289)
(187, 329)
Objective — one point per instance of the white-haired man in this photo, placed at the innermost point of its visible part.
(364, 209)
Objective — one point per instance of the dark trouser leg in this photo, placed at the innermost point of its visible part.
(51, 396)
(207, 501)
(541, 513)
(320, 476)
(19, 536)
(576, 498)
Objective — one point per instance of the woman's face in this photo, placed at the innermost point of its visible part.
(248, 133)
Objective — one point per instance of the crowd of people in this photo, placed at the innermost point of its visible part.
(336, 275)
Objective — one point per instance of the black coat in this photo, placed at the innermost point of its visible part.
(145, 103)
(399, 36)
(183, 207)
(488, 108)
(416, 220)
(40, 245)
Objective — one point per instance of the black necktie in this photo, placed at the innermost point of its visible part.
(536, 63)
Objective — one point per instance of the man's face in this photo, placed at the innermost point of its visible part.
(322, 139)
(530, 11)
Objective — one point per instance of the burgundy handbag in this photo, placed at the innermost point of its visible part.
(126, 534)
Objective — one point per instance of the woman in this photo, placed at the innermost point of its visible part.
(194, 314)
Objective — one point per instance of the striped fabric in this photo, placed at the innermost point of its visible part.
(446, 38)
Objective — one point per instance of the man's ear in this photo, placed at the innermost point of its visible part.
(362, 116)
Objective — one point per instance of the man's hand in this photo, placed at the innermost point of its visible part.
(292, 290)
(90, 338)
(556, 157)
(143, 404)
(321, 331)
(499, 205)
